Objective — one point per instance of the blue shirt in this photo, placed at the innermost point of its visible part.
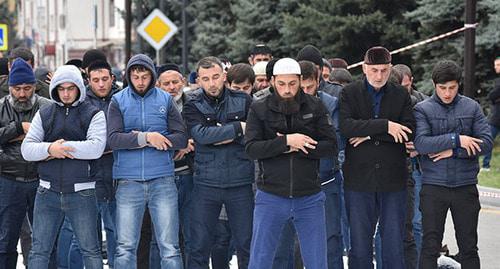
(377, 97)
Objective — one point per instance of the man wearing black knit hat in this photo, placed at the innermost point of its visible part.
(376, 118)
(313, 54)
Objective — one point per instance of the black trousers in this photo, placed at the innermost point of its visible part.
(464, 205)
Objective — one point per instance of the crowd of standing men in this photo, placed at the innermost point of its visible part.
(168, 164)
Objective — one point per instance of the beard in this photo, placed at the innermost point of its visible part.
(288, 106)
(23, 105)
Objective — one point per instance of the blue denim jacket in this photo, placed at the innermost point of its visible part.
(439, 126)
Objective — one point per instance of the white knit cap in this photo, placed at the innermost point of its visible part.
(260, 68)
(286, 66)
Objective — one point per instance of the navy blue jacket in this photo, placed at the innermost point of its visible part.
(101, 170)
(210, 121)
(438, 128)
(70, 124)
(329, 165)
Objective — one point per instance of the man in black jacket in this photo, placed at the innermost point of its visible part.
(494, 119)
(288, 132)
(376, 117)
(18, 178)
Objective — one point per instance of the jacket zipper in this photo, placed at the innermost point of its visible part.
(60, 166)
(142, 151)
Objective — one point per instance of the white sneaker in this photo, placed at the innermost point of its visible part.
(485, 169)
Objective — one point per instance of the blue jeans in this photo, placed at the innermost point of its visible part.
(68, 252)
(16, 200)
(184, 185)
(50, 209)
(417, 216)
(272, 212)
(207, 204)
(487, 156)
(160, 196)
(220, 254)
(285, 253)
(107, 211)
(364, 209)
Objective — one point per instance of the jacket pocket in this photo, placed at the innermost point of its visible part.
(464, 125)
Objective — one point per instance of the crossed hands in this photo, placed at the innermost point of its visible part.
(158, 141)
(470, 144)
(298, 142)
(181, 153)
(398, 131)
(59, 151)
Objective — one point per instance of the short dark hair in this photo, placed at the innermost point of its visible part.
(341, 75)
(139, 68)
(403, 69)
(240, 73)
(208, 62)
(446, 70)
(396, 76)
(23, 53)
(99, 64)
(308, 70)
(260, 49)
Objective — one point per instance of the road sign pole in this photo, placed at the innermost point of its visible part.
(158, 57)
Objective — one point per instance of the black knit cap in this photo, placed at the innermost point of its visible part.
(92, 56)
(270, 67)
(168, 67)
(377, 55)
(312, 54)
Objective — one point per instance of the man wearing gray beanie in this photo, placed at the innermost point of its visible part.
(18, 178)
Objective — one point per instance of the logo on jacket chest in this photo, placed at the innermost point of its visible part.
(162, 109)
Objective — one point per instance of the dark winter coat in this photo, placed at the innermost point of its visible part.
(378, 164)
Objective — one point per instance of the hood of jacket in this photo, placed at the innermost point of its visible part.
(144, 60)
(63, 74)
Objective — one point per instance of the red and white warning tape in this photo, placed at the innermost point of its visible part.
(423, 42)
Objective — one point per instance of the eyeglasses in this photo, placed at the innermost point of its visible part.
(70, 88)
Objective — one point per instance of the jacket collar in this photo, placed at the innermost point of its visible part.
(438, 100)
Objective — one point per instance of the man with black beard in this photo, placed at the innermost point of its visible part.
(18, 178)
(288, 132)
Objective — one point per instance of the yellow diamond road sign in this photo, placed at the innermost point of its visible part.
(157, 29)
(4, 37)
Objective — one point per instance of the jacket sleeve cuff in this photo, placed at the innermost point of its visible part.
(238, 131)
(455, 140)
(141, 139)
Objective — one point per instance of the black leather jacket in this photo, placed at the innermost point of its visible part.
(12, 164)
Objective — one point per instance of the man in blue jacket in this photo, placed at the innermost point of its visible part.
(64, 137)
(451, 134)
(223, 174)
(144, 130)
